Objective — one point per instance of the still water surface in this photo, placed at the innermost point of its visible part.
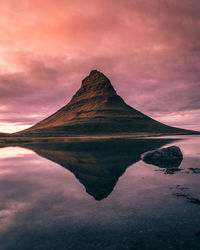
(99, 196)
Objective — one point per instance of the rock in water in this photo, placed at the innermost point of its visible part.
(170, 157)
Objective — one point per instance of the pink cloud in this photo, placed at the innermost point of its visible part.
(149, 50)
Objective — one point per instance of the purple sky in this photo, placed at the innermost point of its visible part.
(150, 50)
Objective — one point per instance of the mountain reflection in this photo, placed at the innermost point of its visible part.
(98, 165)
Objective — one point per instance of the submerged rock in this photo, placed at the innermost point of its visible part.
(170, 157)
(195, 170)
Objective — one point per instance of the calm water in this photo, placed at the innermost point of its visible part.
(99, 196)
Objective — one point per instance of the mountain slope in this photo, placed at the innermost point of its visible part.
(4, 135)
(96, 109)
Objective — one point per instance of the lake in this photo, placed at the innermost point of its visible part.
(99, 195)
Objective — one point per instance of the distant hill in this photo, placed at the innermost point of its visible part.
(96, 109)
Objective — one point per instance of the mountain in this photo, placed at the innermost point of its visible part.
(98, 164)
(96, 109)
(4, 135)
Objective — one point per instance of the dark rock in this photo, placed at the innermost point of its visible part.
(193, 200)
(170, 157)
(195, 170)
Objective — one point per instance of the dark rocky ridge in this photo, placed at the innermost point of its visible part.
(96, 109)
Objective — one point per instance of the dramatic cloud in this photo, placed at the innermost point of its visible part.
(149, 49)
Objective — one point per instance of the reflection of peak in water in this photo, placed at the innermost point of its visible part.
(98, 165)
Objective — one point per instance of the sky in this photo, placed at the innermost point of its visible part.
(150, 50)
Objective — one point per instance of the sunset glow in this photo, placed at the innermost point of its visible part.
(13, 152)
(150, 52)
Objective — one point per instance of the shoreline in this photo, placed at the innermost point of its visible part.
(16, 141)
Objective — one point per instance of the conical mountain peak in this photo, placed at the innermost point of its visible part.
(96, 109)
(96, 84)
(95, 77)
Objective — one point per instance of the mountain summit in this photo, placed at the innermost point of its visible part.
(96, 109)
